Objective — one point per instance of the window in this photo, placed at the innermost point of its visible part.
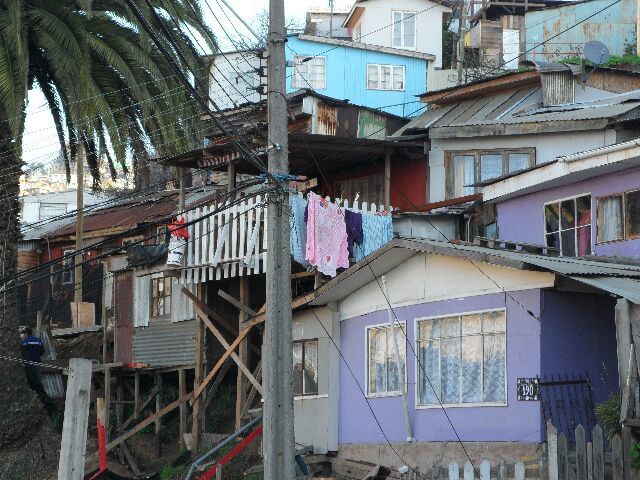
(568, 225)
(367, 189)
(309, 72)
(161, 235)
(383, 375)
(131, 240)
(404, 30)
(305, 367)
(68, 267)
(385, 77)
(462, 359)
(161, 297)
(50, 210)
(618, 217)
(465, 169)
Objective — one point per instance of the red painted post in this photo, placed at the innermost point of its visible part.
(235, 451)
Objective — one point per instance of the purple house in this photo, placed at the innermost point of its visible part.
(582, 204)
(484, 338)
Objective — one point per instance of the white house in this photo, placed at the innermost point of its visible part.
(43, 206)
(404, 24)
(236, 78)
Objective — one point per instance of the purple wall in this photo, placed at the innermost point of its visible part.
(579, 335)
(518, 421)
(531, 208)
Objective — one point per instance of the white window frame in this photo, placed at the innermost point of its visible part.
(400, 24)
(304, 341)
(395, 393)
(153, 298)
(66, 262)
(575, 238)
(301, 79)
(418, 369)
(392, 68)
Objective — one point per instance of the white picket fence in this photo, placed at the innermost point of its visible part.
(233, 242)
(501, 471)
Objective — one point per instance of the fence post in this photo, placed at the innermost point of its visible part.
(454, 471)
(627, 442)
(616, 454)
(598, 454)
(589, 461)
(563, 457)
(581, 452)
(485, 470)
(519, 471)
(502, 470)
(552, 449)
(468, 470)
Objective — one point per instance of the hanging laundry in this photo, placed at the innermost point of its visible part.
(326, 236)
(354, 229)
(298, 225)
(377, 231)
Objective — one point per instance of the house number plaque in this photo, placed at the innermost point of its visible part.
(528, 389)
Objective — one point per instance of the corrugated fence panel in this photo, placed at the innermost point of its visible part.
(165, 343)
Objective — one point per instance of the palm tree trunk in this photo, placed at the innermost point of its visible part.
(28, 443)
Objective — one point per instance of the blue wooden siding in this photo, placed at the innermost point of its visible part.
(347, 76)
(614, 26)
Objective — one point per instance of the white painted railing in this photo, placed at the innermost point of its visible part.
(233, 242)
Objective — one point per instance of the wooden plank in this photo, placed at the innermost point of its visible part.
(130, 459)
(142, 406)
(468, 471)
(216, 384)
(589, 461)
(581, 452)
(237, 303)
(563, 457)
(243, 353)
(107, 401)
(158, 424)
(627, 445)
(616, 456)
(182, 390)
(229, 352)
(148, 421)
(197, 384)
(485, 470)
(502, 470)
(76, 420)
(552, 449)
(519, 471)
(295, 303)
(598, 453)
(252, 394)
(454, 471)
(136, 392)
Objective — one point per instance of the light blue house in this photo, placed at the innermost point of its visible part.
(378, 77)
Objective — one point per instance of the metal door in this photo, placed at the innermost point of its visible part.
(123, 301)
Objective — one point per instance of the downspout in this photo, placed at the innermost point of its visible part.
(401, 371)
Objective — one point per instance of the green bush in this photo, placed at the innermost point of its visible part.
(608, 414)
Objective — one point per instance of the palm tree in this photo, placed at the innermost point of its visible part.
(111, 92)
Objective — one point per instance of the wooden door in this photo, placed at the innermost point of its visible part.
(123, 301)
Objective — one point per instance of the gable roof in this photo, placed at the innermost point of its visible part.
(357, 11)
(617, 278)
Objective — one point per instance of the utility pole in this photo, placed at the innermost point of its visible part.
(331, 19)
(462, 30)
(79, 227)
(277, 356)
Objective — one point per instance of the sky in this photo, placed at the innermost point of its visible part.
(41, 143)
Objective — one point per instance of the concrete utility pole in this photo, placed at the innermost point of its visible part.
(79, 226)
(462, 30)
(277, 356)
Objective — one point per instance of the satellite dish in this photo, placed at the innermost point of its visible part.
(596, 52)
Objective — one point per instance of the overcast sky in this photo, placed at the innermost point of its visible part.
(41, 144)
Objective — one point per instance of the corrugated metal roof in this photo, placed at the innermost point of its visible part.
(623, 287)
(165, 343)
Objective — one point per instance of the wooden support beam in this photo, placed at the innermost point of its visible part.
(76, 421)
(198, 384)
(252, 394)
(158, 424)
(239, 304)
(218, 381)
(119, 400)
(295, 303)
(148, 421)
(243, 352)
(130, 459)
(136, 392)
(152, 394)
(182, 388)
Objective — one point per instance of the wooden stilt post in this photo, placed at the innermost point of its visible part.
(243, 353)
(76, 420)
(198, 375)
(136, 392)
(183, 407)
(119, 404)
(158, 424)
(107, 402)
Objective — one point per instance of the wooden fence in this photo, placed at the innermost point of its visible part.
(233, 242)
(585, 460)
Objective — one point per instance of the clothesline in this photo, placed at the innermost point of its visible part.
(325, 235)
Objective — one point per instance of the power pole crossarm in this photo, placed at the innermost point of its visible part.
(278, 444)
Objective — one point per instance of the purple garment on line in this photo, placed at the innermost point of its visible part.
(354, 229)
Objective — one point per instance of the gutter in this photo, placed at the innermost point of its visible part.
(598, 151)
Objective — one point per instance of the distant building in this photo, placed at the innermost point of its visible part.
(45, 206)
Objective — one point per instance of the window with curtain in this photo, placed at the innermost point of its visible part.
(462, 359)
(404, 30)
(367, 189)
(67, 266)
(305, 367)
(161, 297)
(618, 217)
(384, 377)
(568, 225)
(385, 77)
(467, 168)
(309, 72)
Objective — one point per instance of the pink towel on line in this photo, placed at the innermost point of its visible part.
(326, 236)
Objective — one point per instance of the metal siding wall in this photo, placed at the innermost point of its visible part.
(165, 343)
(615, 27)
